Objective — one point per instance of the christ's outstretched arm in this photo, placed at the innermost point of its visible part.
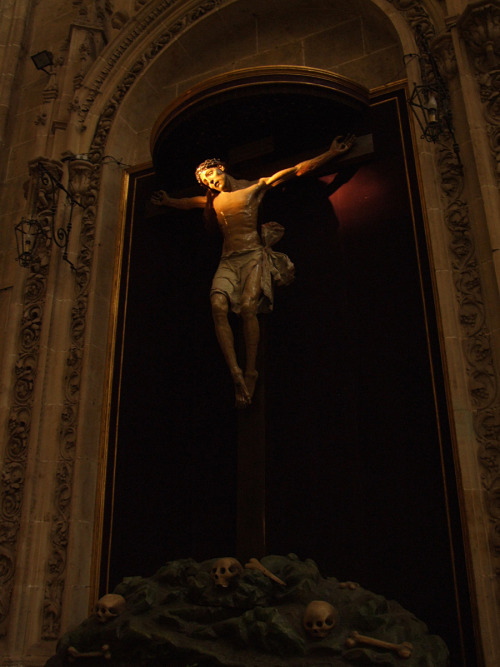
(338, 146)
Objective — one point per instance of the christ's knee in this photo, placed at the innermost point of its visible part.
(220, 306)
(248, 308)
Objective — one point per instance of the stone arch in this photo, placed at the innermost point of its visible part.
(117, 120)
(173, 46)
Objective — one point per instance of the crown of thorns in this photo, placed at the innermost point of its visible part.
(208, 164)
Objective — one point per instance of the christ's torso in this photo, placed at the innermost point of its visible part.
(237, 217)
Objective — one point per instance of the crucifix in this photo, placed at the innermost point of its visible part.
(243, 283)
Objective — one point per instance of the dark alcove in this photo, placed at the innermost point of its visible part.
(358, 454)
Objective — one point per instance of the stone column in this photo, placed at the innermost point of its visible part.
(477, 42)
(69, 342)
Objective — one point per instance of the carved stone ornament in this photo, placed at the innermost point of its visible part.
(79, 177)
(443, 51)
(416, 15)
(90, 43)
(93, 12)
(84, 188)
(146, 20)
(119, 19)
(480, 28)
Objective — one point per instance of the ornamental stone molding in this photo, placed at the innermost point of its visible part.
(476, 343)
(82, 187)
(79, 182)
(88, 43)
(42, 199)
(150, 17)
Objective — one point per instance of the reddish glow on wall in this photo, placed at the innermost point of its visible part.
(367, 196)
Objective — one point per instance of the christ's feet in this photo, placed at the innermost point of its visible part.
(243, 396)
(250, 382)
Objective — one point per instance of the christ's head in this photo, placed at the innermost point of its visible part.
(212, 174)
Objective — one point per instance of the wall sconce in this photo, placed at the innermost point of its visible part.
(39, 226)
(42, 60)
(429, 117)
(430, 101)
(36, 228)
(27, 231)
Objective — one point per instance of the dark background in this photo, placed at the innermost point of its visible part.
(359, 450)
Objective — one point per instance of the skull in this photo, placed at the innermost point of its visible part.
(224, 570)
(109, 607)
(319, 618)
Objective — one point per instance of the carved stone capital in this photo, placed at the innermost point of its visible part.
(52, 166)
(479, 26)
(79, 172)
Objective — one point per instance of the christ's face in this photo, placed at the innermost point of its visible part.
(214, 178)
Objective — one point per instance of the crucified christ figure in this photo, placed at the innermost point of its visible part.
(248, 267)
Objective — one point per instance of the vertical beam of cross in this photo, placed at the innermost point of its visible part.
(251, 471)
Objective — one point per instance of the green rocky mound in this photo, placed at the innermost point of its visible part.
(180, 618)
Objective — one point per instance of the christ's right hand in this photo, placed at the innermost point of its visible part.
(160, 198)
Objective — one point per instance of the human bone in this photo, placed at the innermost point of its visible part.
(319, 618)
(254, 564)
(224, 570)
(404, 650)
(109, 607)
(74, 654)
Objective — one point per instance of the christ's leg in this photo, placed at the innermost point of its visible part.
(251, 328)
(224, 333)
